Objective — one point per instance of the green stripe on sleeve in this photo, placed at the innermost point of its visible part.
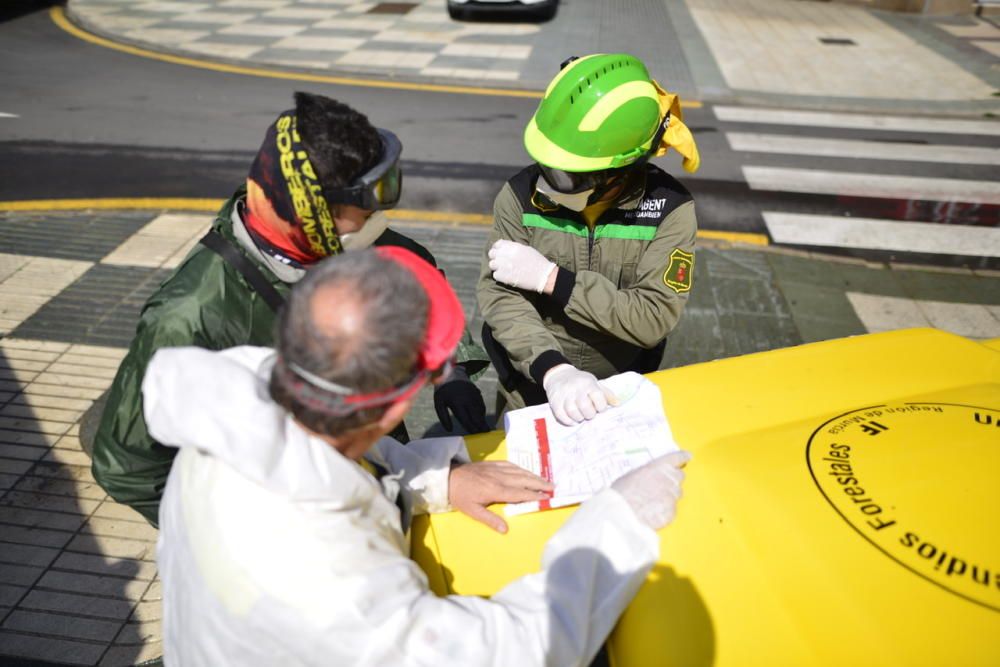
(631, 232)
(555, 224)
(611, 231)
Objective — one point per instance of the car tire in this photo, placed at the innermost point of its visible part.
(456, 13)
(547, 13)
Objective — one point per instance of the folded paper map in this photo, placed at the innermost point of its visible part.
(584, 458)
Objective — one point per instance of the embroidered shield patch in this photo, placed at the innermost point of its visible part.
(680, 271)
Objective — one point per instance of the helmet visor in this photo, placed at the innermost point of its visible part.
(379, 187)
(572, 182)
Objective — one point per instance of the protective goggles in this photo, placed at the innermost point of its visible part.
(572, 182)
(379, 187)
(445, 327)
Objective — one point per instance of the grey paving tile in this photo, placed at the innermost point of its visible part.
(47, 648)
(14, 466)
(38, 537)
(105, 565)
(239, 40)
(114, 547)
(7, 481)
(55, 471)
(470, 62)
(696, 338)
(25, 453)
(30, 518)
(90, 584)
(746, 334)
(9, 595)
(25, 437)
(131, 655)
(278, 55)
(924, 285)
(140, 633)
(81, 235)
(334, 33)
(61, 625)
(19, 575)
(67, 488)
(83, 605)
(23, 554)
(100, 308)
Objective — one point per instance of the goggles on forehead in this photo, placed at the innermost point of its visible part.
(445, 326)
(379, 187)
(340, 401)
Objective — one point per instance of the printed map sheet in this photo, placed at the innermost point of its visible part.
(585, 458)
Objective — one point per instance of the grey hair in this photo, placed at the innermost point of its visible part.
(372, 348)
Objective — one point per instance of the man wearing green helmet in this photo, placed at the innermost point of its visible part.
(591, 258)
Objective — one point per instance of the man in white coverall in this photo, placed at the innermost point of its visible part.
(284, 525)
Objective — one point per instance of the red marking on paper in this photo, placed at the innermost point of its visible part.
(542, 434)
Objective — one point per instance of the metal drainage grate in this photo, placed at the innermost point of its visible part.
(838, 41)
(392, 8)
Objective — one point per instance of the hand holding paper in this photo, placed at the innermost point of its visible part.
(581, 459)
(652, 490)
(473, 486)
(575, 395)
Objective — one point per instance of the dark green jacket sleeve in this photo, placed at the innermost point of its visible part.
(204, 303)
(128, 463)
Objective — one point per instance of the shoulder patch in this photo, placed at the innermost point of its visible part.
(679, 271)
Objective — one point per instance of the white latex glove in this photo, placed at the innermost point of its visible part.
(575, 395)
(652, 490)
(519, 265)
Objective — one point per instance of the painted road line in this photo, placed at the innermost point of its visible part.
(815, 181)
(874, 234)
(734, 237)
(856, 121)
(8, 115)
(114, 203)
(862, 150)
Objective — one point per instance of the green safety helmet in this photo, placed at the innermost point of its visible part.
(600, 112)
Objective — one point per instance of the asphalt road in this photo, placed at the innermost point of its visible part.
(85, 121)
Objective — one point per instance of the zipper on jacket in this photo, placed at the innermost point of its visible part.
(590, 246)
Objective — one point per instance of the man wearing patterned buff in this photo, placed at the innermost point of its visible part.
(318, 186)
(284, 525)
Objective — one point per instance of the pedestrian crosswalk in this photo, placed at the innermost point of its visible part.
(821, 181)
(857, 121)
(858, 149)
(935, 181)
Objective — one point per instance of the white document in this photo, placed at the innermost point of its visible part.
(585, 458)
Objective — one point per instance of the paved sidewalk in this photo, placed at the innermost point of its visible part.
(77, 570)
(803, 53)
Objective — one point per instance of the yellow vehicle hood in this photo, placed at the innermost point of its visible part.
(842, 507)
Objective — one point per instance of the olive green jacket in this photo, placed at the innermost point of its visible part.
(620, 288)
(207, 303)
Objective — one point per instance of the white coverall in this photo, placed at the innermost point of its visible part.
(276, 550)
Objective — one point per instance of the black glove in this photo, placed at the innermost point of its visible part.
(460, 395)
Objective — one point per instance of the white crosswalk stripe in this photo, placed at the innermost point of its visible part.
(862, 150)
(942, 214)
(820, 181)
(890, 235)
(921, 124)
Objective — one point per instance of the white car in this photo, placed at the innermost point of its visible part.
(542, 9)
